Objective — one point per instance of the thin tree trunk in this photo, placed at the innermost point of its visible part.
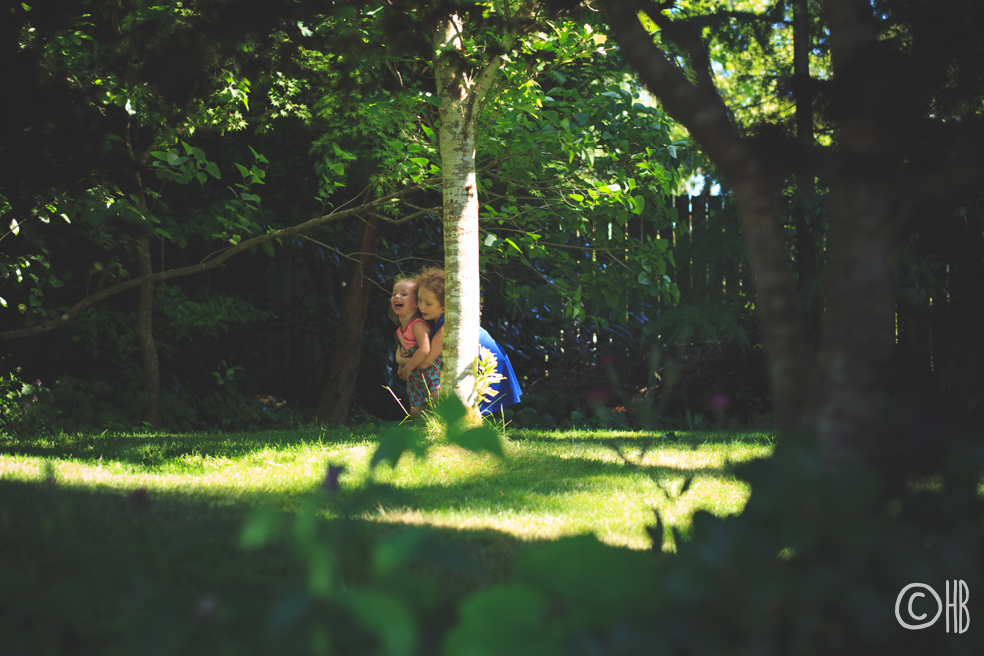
(145, 332)
(343, 372)
(145, 304)
(461, 97)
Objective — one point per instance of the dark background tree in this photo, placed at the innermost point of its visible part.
(903, 86)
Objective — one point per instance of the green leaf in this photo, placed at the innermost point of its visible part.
(638, 204)
(513, 244)
(394, 442)
(419, 161)
(490, 241)
(451, 410)
(260, 529)
(478, 439)
(578, 573)
(341, 153)
(268, 248)
(213, 169)
(243, 171)
(508, 619)
(387, 616)
(260, 158)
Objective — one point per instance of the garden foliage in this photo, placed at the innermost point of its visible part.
(813, 565)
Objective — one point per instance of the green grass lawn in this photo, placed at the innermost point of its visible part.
(101, 534)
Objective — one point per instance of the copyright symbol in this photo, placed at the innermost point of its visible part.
(898, 602)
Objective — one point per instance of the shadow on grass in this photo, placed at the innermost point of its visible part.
(95, 571)
(91, 570)
(533, 481)
(152, 450)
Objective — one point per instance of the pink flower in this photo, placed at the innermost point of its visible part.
(719, 402)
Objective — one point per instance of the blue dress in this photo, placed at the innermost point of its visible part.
(507, 391)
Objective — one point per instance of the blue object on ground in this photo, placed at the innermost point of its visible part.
(507, 391)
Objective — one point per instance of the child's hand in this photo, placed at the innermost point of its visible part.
(404, 372)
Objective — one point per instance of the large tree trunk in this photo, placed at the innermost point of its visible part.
(700, 109)
(336, 397)
(843, 389)
(866, 224)
(461, 96)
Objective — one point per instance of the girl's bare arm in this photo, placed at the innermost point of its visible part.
(422, 333)
(435, 349)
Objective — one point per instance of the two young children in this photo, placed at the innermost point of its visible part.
(417, 306)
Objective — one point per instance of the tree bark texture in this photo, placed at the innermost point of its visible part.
(866, 225)
(343, 371)
(461, 94)
(838, 398)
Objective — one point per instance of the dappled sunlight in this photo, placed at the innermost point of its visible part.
(548, 490)
(580, 482)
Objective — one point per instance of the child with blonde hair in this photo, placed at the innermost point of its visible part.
(424, 377)
(413, 332)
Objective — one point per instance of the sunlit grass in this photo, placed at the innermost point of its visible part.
(549, 485)
(111, 543)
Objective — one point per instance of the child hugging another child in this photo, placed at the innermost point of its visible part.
(423, 372)
(422, 369)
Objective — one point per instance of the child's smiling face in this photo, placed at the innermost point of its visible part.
(430, 308)
(404, 299)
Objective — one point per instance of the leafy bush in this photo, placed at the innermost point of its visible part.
(24, 407)
(72, 405)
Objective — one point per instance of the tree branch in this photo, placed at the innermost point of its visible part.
(219, 259)
(684, 36)
(700, 109)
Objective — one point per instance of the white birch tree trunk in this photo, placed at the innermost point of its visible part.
(461, 93)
